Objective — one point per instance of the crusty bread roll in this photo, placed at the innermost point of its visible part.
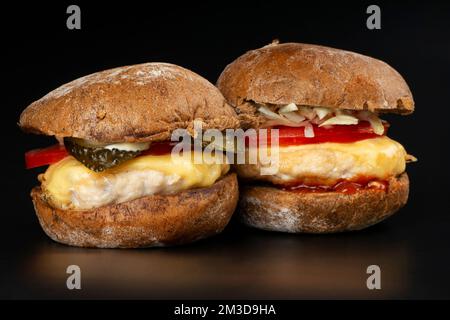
(269, 208)
(145, 102)
(316, 76)
(312, 75)
(156, 220)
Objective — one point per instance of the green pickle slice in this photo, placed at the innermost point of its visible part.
(97, 158)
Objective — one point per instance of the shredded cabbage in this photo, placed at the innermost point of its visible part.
(304, 116)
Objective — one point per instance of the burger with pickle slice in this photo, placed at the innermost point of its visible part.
(112, 180)
(337, 169)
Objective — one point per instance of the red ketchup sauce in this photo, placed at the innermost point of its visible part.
(344, 186)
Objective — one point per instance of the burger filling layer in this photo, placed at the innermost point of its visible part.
(68, 184)
(326, 164)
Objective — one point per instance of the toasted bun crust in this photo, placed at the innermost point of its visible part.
(314, 75)
(144, 102)
(277, 210)
(156, 220)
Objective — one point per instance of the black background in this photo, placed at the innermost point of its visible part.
(412, 248)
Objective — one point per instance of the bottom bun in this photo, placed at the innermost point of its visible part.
(155, 220)
(273, 209)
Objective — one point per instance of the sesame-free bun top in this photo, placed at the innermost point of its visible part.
(313, 75)
(143, 102)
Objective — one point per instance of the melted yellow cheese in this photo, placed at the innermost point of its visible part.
(327, 163)
(69, 184)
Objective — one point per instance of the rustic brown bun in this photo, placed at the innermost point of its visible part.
(156, 220)
(273, 209)
(144, 102)
(313, 75)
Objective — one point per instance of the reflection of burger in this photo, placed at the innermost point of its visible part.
(338, 170)
(112, 181)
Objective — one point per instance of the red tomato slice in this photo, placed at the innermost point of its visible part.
(337, 133)
(41, 157)
(46, 156)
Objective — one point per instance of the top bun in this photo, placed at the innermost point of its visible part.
(312, 75)
(144, 102)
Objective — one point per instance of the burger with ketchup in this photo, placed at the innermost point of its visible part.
(337, 168)
(111, 180)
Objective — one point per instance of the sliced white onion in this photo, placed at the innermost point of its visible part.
(316, 121)
(284, 122)
(375, 122)
(303, 116)
(288, 108)
(309, 131)
(276, 119)
(377, 125)
(125, 146)
(341, 119)
(269, 114)
(294, 117)
(322, 112)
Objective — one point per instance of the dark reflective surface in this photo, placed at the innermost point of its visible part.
(240, 263)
